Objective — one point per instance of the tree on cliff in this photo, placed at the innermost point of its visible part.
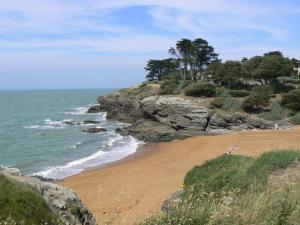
(157, 69)
(193, 56)
(272, 66)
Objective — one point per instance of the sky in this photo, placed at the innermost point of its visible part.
(66, 44)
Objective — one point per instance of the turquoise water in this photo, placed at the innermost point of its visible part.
(35, 138)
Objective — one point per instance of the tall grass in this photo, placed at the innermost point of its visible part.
(20, 204)
(234, 190)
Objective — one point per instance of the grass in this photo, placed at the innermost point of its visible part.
(234, 190)
(20, 204)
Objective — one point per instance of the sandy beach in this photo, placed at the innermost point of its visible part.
(130, 190)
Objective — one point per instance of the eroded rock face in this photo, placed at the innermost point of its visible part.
(162, 118)
(62, 201)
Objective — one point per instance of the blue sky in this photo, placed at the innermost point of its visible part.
(47, 44)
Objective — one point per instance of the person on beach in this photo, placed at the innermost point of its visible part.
(232, 149)
(276, 126)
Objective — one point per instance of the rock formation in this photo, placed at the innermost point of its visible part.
(162, 118)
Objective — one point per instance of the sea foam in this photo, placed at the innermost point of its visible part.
(93, 160)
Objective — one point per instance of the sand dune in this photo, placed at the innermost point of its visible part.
(130, 190)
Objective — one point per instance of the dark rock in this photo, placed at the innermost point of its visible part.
(95, 130)
(95, 109)
(71, 123)
(118, 130)
(91, 122)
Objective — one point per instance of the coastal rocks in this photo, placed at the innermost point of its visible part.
(86, 122)
(121, 107)
(62, 201)
(163, 118)
(94, 109)
(237, 121)
(95, 130)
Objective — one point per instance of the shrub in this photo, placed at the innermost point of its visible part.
(219, 91)
(259, 97)
(295, 119)
(168, 87)
(291, 100)
(201, 90)
(239, 93)
(217, 103)
(276, 112)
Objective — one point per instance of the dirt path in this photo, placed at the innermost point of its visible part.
(132, 189)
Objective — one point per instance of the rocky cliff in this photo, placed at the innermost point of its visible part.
(62, 201)
(162, 118)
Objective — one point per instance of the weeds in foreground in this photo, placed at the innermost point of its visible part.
(234, 190)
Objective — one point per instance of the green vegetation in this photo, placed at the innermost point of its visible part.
(291, 100)
(276, 112)
(259, 98)
(250, 85)
(201, 89)
(296, 119)
(237, 190)
(19, 204)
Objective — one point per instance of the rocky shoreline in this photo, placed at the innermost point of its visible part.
(163, 117)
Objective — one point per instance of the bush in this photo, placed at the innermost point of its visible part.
(220, 90)
(168, 87)
(276, 112)
(295, 119)
(291, 100)
(259, 97)
(201, 90)
(217, 103)
(239, 93)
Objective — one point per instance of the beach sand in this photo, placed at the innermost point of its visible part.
(132, 189)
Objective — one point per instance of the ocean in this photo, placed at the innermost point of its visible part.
(35, 138)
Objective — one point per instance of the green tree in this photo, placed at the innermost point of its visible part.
(204, 54)
(185, 47)
(291, 100)
(157, 69)
(272, 66)
(230, 73)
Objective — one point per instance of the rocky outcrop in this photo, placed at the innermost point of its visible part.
(172, 202)
(94, 130)
(162, 118)
(86, 122)
(62, 201)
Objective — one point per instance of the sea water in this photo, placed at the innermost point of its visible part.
(35, 138)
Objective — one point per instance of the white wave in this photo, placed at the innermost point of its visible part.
(96, 159)
(114, 139)
(78, 111)
(76, 145)
(41, 127)
(49, 124)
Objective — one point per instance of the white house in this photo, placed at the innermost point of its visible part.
(298, 70)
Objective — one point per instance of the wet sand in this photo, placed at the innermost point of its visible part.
(131, 189)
